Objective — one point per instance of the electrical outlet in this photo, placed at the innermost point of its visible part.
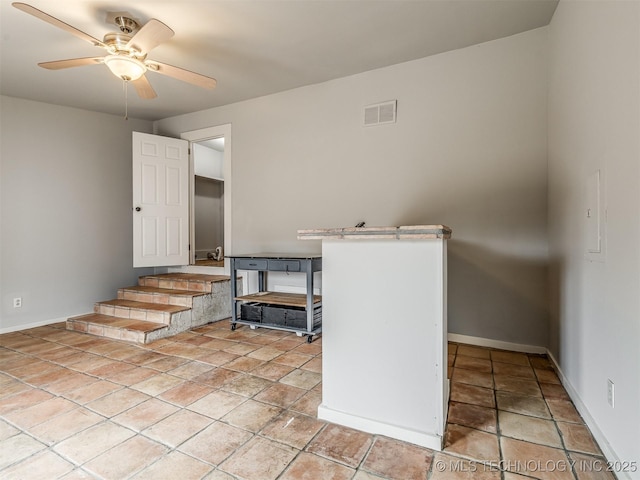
(17, 302)
(611, 390)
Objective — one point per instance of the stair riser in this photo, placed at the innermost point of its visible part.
(134, 313)
(159, 298)
(194, 286)
(110, 332)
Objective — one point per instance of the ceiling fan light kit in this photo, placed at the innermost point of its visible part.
(124, 67)
(127, 51)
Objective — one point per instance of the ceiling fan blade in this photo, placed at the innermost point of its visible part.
(73, 62)
(182, 74)
(144, 88)
(58, 23)
(152, 34)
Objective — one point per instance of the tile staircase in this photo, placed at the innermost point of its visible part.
(159, 306)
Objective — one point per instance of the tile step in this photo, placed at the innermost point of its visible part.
(165, 296)
(114, 327)
(183, 281)
(150, 312)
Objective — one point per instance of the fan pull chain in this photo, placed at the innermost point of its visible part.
(126, 99)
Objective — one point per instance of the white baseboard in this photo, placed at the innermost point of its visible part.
(17, 328)
(599, 437)
(423, 439)
(487, 342)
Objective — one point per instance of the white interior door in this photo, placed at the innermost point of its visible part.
(160, 201)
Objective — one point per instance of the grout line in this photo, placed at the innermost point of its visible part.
(93, 347)
(499, 435)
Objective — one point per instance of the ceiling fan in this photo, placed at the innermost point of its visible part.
(127, 51)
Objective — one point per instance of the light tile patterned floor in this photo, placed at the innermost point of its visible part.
(223, 405)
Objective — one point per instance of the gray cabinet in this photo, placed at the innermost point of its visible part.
(296, 312)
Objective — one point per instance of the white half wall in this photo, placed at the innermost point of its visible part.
(594, 124)
(65, 210)
(380, 295)
(468, 150)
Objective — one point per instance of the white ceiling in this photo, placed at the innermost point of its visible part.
(252, 47)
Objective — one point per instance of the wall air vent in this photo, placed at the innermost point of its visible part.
(380, 113)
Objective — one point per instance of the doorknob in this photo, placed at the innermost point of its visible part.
(138, 209)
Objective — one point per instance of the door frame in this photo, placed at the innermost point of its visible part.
(195, 136)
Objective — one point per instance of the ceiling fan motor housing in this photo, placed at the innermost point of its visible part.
(117, 40)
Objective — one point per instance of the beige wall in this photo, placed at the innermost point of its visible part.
(468, 150)
(65, 177)
(594, 124)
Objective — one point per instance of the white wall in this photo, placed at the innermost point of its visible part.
(208, 166)
(65, 210)
(209, 215)
(208, 162)
(468, 150)
(594, 123)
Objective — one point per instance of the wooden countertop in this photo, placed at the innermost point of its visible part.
(409, 232)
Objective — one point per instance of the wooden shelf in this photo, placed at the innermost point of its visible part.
(279, 298)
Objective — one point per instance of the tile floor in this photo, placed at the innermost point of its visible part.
(222, 405)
